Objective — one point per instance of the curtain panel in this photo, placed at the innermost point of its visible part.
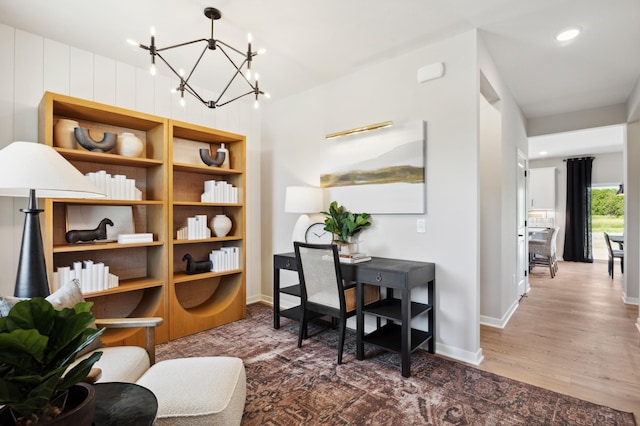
(577, 240)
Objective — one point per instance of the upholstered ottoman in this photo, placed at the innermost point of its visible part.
(198, 391)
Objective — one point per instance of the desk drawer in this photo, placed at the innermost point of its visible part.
(381, 278)
(285, 263)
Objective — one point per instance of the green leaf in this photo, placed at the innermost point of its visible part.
(79, 371)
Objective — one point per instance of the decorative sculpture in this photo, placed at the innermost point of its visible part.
(216, 161)
(197, 267)
(107, 143)
(99, 233)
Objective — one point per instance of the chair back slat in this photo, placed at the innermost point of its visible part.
(319, 274)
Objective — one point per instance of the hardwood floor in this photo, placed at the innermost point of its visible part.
(573, 335)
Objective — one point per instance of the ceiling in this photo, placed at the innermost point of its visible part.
(312, 42)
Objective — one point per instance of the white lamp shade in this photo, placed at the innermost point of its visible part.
(303, 199)
(28, 165)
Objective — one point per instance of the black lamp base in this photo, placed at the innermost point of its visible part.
(32, 280)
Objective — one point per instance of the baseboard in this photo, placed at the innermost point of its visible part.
(630, 300)
(254, 299)
(501, 322)
(459, 354)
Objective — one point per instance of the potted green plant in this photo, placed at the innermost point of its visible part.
(37, 345)
(345, 225)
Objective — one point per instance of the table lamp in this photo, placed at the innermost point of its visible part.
(305, 200)
(27, 167)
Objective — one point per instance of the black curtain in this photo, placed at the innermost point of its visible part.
(577, 237)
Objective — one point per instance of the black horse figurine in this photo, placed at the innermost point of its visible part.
(197, 267)
(100, 233)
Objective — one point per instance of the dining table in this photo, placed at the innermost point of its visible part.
(619, 239)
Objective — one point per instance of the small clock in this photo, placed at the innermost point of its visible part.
(316, 234)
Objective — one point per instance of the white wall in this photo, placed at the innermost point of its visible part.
(293, 138)
(633, 162)
(32, 65)
(607, 169)
(499, 292)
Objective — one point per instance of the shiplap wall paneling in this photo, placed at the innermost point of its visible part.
(9, 233)
(81, 74)
(28, 87)
(162, 96)
(56, 66)
(104, 80)
(125, 86)
(145, 94)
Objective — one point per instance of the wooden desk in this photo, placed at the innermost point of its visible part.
(393, 274)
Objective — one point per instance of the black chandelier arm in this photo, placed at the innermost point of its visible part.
(238, 68)
(234, 99)
(234, 49)
(181, 44)
(196, 64)
(193, 93)
(169, 66)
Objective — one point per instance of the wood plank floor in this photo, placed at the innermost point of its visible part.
(573, 335)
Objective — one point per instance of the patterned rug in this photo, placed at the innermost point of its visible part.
(291, 386)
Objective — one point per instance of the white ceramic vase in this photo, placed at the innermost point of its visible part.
(129, 145)
(63, 136)
(221, 225)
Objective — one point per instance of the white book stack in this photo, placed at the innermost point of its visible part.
(116, 187)
(219, 192)
(225, 259)
(92, 276)
(135, 238)
(196, 229)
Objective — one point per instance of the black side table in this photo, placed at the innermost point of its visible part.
(124, 404)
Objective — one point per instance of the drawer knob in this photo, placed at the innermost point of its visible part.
(288, 264)
(379, 277)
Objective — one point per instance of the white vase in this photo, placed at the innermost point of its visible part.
(351, 247)
(221, 225)
(129, 145)
(63, 136)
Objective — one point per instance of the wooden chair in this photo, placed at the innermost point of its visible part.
(321, 287)
(612, 255)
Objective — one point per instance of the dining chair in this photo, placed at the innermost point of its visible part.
(612, 255)
(321, 287)
(543, 251)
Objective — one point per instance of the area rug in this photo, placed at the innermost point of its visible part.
(287, 385)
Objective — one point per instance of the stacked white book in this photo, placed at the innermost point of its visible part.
(135, 238)
(92, 276)
(196, 229)
(116, 187)
(219, 192)
(225, 259)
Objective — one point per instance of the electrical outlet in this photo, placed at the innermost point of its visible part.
(420, 225)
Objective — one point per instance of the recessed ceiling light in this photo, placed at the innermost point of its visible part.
(543, 153)
(568, 34)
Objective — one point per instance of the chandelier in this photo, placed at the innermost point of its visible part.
(210, 44)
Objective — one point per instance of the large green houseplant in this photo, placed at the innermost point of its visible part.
(37, 345)
(343, 224)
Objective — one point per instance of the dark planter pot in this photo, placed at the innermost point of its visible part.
(78, 410)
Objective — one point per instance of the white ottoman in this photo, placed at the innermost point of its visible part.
(198, 391)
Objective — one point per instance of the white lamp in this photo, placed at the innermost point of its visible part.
(27, 167)
(305, 200)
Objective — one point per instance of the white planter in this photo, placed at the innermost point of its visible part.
(221, 225)
(63, 136)
(129, 145)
